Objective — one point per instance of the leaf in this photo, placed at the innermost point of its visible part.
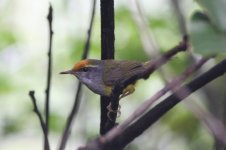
(205, 38)
(216, 10)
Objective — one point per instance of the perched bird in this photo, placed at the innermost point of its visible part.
(117, 77)
(102, 76)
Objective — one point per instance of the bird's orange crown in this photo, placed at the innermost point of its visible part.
(80, 64)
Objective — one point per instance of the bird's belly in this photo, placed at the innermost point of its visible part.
(98, 87)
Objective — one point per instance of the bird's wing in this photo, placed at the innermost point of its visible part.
(120, 71)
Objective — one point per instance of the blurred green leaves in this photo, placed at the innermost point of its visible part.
(128, 44)
(56, 123)
(6, 38)
(215, 10)
(5, 84)
(12, 125)
(208, 28)
(183, 123)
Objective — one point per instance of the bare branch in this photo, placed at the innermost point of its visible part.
(49, 73)
(43, 125)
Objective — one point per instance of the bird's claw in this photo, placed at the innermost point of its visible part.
(124, 95)
(110, 110)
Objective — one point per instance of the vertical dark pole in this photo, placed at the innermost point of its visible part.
(107, 50)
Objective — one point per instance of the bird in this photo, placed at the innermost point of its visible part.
(103, 76)
(118, 77)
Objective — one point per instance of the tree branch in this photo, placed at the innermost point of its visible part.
(49, 73)
(76, 104)
(41, 120)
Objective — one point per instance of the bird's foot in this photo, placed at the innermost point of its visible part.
(127, 91)
(110, 110)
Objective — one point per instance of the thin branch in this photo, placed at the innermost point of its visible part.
(49, 73)
(41, 120)
(76, 104)
(147, 104)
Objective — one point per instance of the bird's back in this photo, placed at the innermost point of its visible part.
(118, 72)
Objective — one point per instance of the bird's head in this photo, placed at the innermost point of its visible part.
(87, 68)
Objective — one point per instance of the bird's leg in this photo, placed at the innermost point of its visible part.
(110, 110)
(126, 91)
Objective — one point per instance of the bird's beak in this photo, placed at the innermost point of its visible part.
(66, 72)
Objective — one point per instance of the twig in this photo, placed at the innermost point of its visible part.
(49, 73)
(107, 52)
(76, 104)
(43, 125)
(147, 104)
(155, 64)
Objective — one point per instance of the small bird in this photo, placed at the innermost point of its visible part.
(105, 77)
(102, 76)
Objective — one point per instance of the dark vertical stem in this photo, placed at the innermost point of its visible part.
(107, 29)
(107, 52)
(49, 73)
(76, 104)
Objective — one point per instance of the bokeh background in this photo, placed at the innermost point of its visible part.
(23, 67)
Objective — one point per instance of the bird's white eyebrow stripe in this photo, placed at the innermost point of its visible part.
(93, 66)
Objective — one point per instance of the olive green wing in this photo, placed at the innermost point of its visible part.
(120, 71)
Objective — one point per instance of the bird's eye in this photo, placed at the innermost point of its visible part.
(84, 69)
